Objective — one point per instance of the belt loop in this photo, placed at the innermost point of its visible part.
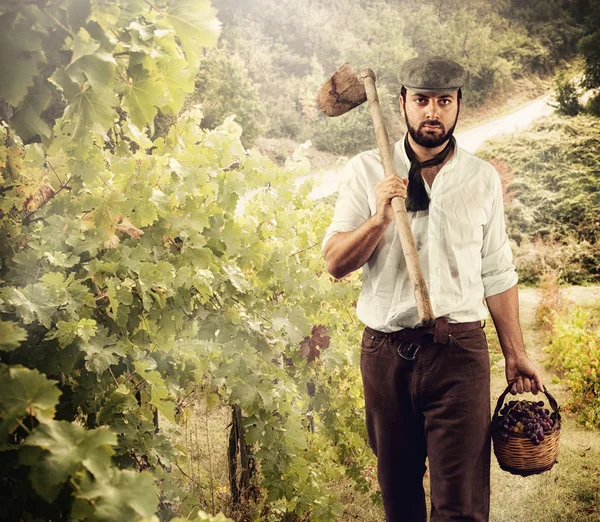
(442, 330)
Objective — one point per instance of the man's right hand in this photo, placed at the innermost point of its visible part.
(348, 251)
(385, 191)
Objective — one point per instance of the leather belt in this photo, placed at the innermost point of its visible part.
(440, 331)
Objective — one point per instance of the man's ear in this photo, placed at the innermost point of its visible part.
(401, 102)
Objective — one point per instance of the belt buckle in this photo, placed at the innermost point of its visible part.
(410, 349)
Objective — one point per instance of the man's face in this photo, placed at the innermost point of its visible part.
(430, 117)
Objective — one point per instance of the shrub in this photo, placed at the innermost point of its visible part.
(567, 97)
(593, 105)
(346, 135)
(578, 262)
(575, 354)
(224, 88)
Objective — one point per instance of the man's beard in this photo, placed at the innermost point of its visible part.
(429, 140)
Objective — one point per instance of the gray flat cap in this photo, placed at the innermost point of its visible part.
(432, 74)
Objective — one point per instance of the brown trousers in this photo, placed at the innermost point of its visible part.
(437, 406)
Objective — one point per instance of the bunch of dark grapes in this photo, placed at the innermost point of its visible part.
(525, 419)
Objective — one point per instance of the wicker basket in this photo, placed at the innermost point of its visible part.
(519, 455)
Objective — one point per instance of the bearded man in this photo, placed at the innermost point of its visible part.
(427, 390)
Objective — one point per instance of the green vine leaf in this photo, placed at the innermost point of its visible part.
(159, 398)
(179, 81)
(30, 303)
(90, 63)
(142, 95)
(11, 336)
(20, 56)
(196, 26)
(24, 392)
(26, 120)
(102, 350)
(56, 450)
(116, 496)
(105, 12)
(91, 110)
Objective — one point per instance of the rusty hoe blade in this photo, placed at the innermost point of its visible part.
(342, 92)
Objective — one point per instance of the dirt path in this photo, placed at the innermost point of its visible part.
(570, 492)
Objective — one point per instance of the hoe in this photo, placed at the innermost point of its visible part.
(341, 93)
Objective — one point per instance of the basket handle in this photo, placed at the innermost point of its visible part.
(551, 400)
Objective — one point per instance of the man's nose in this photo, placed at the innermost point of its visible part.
(432, 110)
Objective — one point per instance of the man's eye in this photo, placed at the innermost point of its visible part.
(445, 102)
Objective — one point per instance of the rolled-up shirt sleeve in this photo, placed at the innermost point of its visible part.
(497, 269)
(352, 205)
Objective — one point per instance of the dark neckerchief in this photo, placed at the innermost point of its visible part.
(418, 199)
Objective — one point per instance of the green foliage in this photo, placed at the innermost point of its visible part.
(159, 289)
(24, 393)
(345, 136)
(576, 261)
(223, 88)
(11, 336)
(567, 97)
(588, 47)
(75, 320)
(474, 35)
(593, 106)
(20, 58)
(58, 452)
(123, 260)
(589, 44)
(575, 353)
(56, 449)
(119, 496)
(554, 197)
(141, 61)
(375, 40)
(553, 28)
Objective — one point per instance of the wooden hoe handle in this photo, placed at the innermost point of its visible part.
(407, 240)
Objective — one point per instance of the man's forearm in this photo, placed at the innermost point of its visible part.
(348, 251)
(504, 309)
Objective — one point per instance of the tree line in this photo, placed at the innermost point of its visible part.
(278, 55)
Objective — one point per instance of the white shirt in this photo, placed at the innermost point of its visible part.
(461, 239)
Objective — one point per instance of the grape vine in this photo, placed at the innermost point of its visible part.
(129, 285)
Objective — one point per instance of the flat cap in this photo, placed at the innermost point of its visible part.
(432, 73)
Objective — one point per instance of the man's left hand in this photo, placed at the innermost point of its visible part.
(526, 374)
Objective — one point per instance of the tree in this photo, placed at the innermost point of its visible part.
(223, 88)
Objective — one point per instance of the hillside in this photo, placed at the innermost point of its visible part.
(552, 196)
